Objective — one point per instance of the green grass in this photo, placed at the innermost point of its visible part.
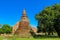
(35, 39)
(38, 38)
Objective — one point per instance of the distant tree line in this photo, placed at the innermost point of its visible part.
(49, 20)
(5, 29)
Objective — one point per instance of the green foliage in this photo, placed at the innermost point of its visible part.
(57, 25)
(6, 29)
(46, 17)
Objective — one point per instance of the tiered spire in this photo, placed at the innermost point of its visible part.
(24, 17)
(24, 13)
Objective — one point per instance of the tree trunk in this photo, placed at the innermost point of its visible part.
(48, 33)
(52, 33)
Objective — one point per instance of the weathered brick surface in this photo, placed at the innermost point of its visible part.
(22, 29)
(15, 27)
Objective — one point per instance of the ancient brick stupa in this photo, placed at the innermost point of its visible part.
(22, 28)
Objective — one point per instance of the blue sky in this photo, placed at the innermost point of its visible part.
(11, 10)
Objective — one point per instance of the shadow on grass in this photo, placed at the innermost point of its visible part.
(45, 36)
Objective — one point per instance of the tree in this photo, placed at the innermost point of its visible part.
(47, 16)
(57, 25)
(6, 28)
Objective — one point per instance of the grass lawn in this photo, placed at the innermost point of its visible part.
(33, 38)
(40, 38)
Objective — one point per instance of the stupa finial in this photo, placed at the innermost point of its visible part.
(24, 11)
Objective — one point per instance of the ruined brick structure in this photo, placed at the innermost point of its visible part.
(22, 28)
(15, 28)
